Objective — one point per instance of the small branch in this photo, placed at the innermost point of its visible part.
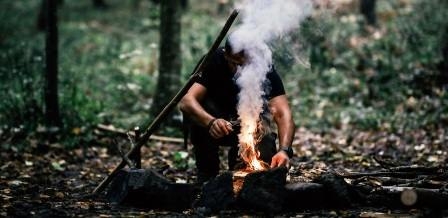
(124, 133)
(137, 157)
(122, 154)
(384, 173)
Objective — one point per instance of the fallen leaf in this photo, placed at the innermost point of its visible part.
(57, 166)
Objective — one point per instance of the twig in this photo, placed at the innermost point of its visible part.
(122, 154)
(124, 133)
(391, 174)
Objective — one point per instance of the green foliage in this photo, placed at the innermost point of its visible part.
(181, 160)
(337, 72)
(372, 78)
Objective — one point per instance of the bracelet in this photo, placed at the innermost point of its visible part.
(209, 125)
(288, 150)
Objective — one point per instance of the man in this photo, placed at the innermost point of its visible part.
(211, 104)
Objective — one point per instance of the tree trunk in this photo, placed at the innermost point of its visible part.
(170, 56)
(367, 8)
(99, 4)
(52, 116)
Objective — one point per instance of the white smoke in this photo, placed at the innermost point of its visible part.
(263, 21)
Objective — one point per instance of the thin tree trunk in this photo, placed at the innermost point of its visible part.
(52, 116)
(100, 4)
(367, 8)
(170, 56)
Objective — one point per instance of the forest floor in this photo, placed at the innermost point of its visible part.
(46, 180)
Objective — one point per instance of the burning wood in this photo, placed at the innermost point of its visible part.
(267, 191)
(251, 135)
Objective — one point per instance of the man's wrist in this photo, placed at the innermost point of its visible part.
(288, 150)
(210, 123)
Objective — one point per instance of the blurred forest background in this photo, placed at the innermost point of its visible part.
(341, 69)
(364, 78)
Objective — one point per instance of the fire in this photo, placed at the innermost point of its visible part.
(249, 137)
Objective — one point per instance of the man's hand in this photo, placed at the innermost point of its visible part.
(219, 128)
(280, 159)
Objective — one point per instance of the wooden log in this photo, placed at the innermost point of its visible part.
(305, 196)
(405, 197)
(418, 197)
(264, 190)
(217, 194)
(148, 189)
(338, 192)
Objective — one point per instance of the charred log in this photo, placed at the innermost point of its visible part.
(148, 189)
(217, 194)
(304, 195)
(264, 190)
(267, 191)
(409, 197)
(338, 192)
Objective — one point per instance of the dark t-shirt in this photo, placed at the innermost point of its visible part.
(222, 91)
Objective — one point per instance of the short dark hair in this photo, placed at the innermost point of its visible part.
(228, 47)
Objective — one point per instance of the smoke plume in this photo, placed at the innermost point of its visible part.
(262, 22)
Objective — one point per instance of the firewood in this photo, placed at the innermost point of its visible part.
(393, 196)
(408, 197)
(264, 190)
(148, 189)
(217, 194)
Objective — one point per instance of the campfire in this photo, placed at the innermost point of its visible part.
(251, 134)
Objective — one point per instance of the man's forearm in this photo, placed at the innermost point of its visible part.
(286, 129)
(196, 112)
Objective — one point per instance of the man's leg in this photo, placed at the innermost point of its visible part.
(231, 141)
(206, 153)
(267, 147)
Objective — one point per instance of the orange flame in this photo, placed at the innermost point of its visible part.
(249, 137)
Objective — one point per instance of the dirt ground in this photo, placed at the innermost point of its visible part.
(46, 180)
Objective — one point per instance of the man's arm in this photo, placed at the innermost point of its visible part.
(282, 115)
(190, 105)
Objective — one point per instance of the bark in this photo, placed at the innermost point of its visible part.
(41, 21)
(148, 189)
(216, 195)
(265, 191)
(367, 8)
(305, 195)
(99, 4)
(408, 196)
(52, 116)
(170, 56)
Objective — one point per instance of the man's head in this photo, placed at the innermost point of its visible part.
(233, 58)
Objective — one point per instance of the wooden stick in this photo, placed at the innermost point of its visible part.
(125, 133)
(385, 173)
(137, 158)
(168, 108)
(120, 151)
